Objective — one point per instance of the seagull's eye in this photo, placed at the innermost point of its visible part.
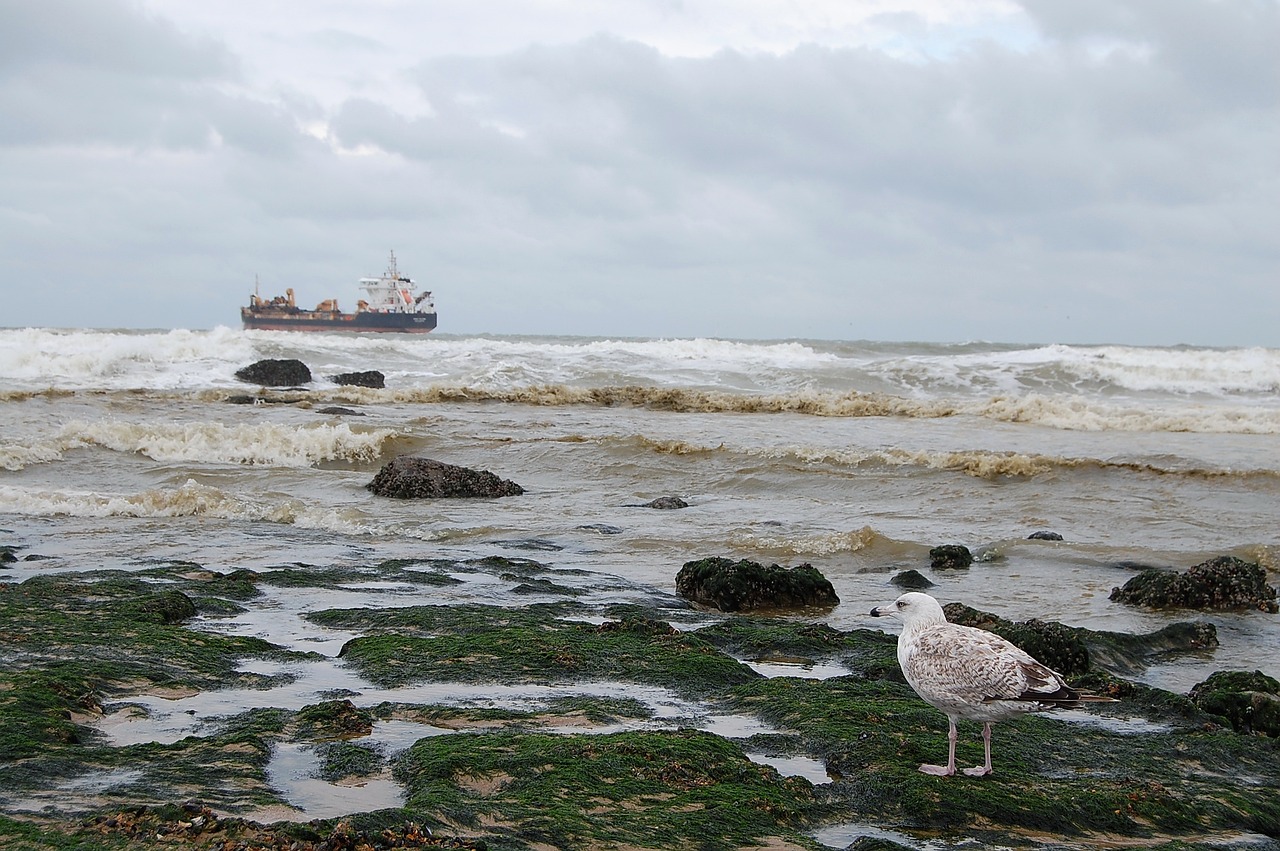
(901, 604)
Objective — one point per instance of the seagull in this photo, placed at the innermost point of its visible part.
(971, 674)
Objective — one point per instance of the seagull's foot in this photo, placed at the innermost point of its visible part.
(977, 771)
(938, 770)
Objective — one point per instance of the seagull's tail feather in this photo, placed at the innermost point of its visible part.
(1063, 698)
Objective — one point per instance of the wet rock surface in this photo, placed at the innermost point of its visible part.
(369, 378)
(745, 586)
(275, 372)
(1221, 583)
(911, 580)
(666, 503)
(423, 478)
(1249, 700)
(950, 557)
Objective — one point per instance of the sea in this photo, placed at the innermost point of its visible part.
(121, 448)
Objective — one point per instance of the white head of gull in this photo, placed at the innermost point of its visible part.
(970, 674)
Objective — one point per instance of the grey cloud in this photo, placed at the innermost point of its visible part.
(104, 35)
(822, 192)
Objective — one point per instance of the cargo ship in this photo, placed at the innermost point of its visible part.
(392, 303)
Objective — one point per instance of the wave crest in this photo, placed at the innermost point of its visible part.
(264, 444)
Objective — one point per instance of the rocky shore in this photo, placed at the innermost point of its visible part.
(85, 651)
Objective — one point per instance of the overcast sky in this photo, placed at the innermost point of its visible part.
(1006, 170)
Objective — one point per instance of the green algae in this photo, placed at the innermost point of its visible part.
(345, 760)
(515, 785)
(1051, 776)
(480, 644)
(682, 789)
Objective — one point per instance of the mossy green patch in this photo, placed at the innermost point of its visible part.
(650, 790)
(345, 760)
(476, 643)
(1051, 776)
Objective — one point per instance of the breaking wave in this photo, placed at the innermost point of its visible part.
(1060, 412)
(978, 463)
(194, 499)
(253, 444)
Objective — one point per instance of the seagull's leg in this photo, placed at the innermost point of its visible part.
(983, 770)
(950, 768)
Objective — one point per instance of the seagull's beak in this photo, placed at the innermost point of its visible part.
(881, 611)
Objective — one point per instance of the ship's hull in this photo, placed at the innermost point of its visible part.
(303, 320)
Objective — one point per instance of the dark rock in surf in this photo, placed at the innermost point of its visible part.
(1044, 536)
(749, 586)
(1072, 651)
(666, 503)
(1127, 654)
(370, 378)
(1222, 583)
(601, 528)
(423, 478)
(337, 410)
(950, 557)
(912, 580)
(1250, 701)
(7, 555)
(274, 372)
(1060, 647)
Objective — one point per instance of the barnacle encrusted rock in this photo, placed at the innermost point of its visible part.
(408, 477)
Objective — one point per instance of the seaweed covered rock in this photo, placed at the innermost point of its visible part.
(369, 378)
(1060, 647)
(165, 607)
(1044, 536)
(1128, 654)
(423, 478)
(334, 719)
(747, 585)
(1249, 700)
(273, 372)
(950, 557)
(1225, 582)
(666, 503)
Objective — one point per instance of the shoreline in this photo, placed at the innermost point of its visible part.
(566, 688)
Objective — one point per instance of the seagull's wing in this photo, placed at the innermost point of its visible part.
(976, 666)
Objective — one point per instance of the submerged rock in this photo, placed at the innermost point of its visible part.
(950, 557)
(1221, 583)
(912, 580)
(1124, 653)
(423, 478)
(747, 585)
(369, 378)
(274, 372)
(1044, 536)
(666, 503)
(1249, 700)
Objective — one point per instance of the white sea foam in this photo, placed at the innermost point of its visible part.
(190, 500)
(34, 358)
(1074, 387)
(254, 444)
